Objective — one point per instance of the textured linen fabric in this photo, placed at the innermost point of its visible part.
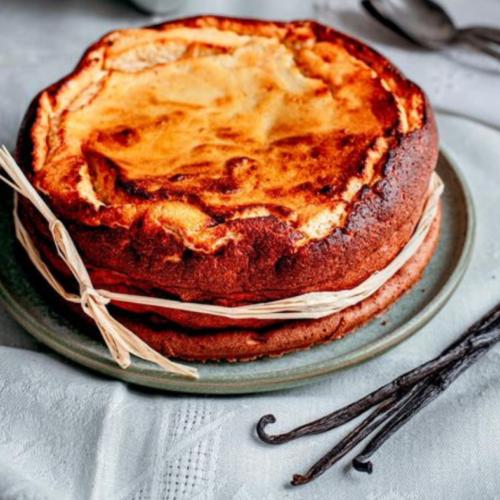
(67, 433)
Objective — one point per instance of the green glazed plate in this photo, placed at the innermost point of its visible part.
(20, 293)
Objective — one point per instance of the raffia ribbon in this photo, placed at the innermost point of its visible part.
(122, 342)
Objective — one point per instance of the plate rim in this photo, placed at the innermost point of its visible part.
(149, 377)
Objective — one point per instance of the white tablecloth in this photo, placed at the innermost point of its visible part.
(66, 433)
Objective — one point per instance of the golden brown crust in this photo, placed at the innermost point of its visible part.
(269, 258)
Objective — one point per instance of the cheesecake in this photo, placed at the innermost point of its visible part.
(230, 162)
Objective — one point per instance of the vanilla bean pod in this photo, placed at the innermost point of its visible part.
(398, 411)
(397, 401)
(394, 413)
(482, 333)
(428, 392)
(360, 432)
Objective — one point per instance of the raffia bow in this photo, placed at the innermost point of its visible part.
(120, 340)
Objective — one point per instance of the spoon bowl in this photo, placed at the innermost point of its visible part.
(426, 24)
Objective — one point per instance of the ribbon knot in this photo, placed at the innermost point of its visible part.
(87, 292)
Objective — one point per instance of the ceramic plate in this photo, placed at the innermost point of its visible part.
(20, 292)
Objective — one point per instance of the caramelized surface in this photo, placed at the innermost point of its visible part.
(196, 126)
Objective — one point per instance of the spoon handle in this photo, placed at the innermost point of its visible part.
(482, 46)
(487, 34)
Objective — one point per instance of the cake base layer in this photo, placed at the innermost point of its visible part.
(247, 344)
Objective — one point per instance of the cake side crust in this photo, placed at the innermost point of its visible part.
(247, 344)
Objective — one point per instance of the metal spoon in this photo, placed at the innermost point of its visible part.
(428, 25)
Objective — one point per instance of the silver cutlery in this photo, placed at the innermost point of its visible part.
(426, 24)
